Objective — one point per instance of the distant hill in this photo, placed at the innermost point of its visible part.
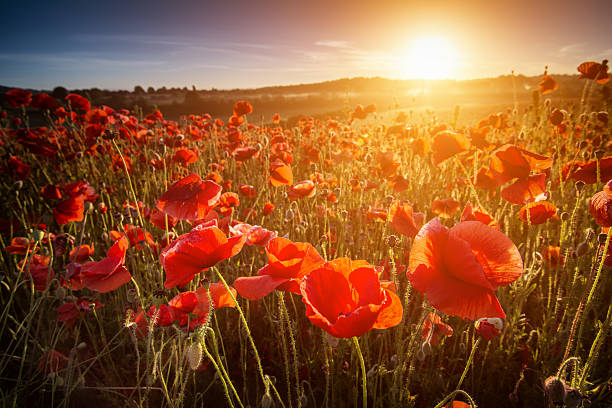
(341, 95)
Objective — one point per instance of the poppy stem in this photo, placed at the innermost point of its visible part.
(364, 384)
(469, 363)
(451, 397)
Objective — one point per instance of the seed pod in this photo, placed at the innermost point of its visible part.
(579, 185)
(582, 249)
(266, 400)
(391, 241)
(572, 398)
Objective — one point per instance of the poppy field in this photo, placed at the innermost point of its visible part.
(375, 258)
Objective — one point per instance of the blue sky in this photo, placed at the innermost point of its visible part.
(120, 44)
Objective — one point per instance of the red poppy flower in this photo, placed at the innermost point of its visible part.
(346, 299)
(587, 171)
(538, 212)
(403, 219)
(377, 214)
(39, 271)
(433, 328)
(526, 190)
(280, 174)
(487, 328)
(276, 118)
(226, 204)
(78, 102)
(478, 214)
(288, 263)
(158, 219)
(189, 198)
(594, 70)
(19, 246)
(446, 207)
(458, 269)
(18, 97)
(18, 169)
(44, 101)
(302, 189)
(242, 108)
(510, 161)
(185, 157)
(109, 273)
(69, 210)
(256, 235)
(50, 192)
(247, 190)
(52, 361)
(80, 254)
(191, 253)
(547, 85)
(552, 256)
(242, 154)
(72, 310)
(446, 144)
(268, 208)
(600, 206)
(79, 188)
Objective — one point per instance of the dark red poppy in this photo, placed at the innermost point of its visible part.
(38, 270)
(109, 273)
(242, 154)
(288, 263)
(242, 108)
(446, 144)
(189, 198)
(78, 102)
(79, 188)
(587, 171)
(403, 220)
(458, 269)
(18, 169)
(433, 328)
(268, 208)
(70, 311)
(51, 192)
(247, 190)
(52, 361)
(552, 256)
(594, 70)
(547, 85)
(44, 101)
(600, 206)
(359, 302)
(538, 212)
(191, 253)
(18, 97)
(525, 190)
(227, 202)
(69, 210)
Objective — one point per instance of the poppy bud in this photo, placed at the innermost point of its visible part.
(266, 400)
(579, 186)
(131, 295)
(556, 116)
(38, 235)
(180, 136)
(555, 389)
(88, 206)
(303, 400)
(589, 234)
(194, 355)
(18, 185)
(420, 355)
(564, 216)
(289, 214)
(389, 199)
(426, 348)
(599, 154)
(81, 346)
(488, 328)
(582, 249)
(602, 238)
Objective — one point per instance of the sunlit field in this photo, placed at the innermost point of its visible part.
(376, 257)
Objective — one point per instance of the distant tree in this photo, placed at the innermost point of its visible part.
(150, 90)
(163, 89)
(59, 92)
(193, 87)
(138, 90)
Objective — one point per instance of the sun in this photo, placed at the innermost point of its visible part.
(429, 58)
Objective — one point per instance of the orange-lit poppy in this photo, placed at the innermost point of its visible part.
(552, 256)
(526, 190)
(189, 198)
(302, 189)
(403, 220)
(538, 212)
(600, 206)
(288, 263)
(587, 171)
(446, 144)
(458, 269)
(433, 328)
(69, 210)
(446, 207)
(242, 108)
(280, 174)
(247, 190)
(80, 254)
(509, 162)
(359, 302)
(547, 84)
(193, 252)
(268, 208)
(478, 214)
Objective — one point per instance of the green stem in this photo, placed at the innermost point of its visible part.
(469, 363)
(364, 379)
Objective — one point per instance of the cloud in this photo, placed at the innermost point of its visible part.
(333, 44)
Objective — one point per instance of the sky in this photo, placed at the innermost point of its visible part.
(232, 44)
